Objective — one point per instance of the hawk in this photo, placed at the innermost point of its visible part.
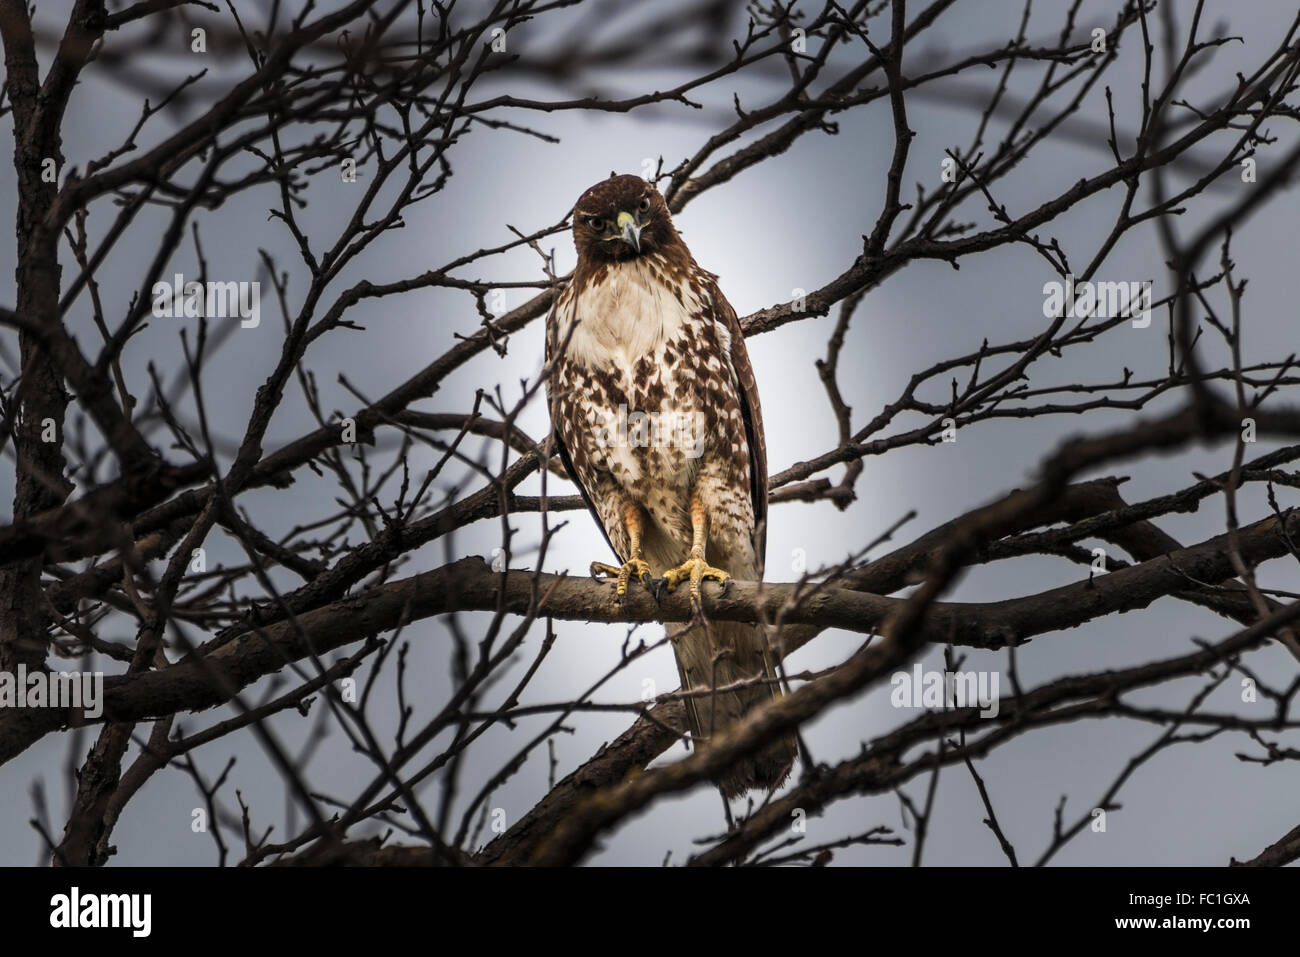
(656, 418)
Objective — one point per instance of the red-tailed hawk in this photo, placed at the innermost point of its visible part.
(656, 418)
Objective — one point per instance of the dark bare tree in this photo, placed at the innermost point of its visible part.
(121, 479)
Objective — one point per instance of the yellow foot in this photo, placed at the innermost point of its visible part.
(634, 567)
(695, 570)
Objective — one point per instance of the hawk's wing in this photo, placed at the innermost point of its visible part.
(552, 346)
(751, 412)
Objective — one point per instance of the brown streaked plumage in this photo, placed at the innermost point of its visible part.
(656, 418)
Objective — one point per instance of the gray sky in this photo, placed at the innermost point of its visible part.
(792, 222)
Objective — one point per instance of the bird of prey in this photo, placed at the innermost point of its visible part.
(656, 418)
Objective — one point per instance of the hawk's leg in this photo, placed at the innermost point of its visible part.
(634, 522)
(695, 569)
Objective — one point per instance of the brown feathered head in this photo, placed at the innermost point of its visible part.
(621, 218)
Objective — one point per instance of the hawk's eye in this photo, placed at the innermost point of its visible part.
(645, 204)
(596, 223)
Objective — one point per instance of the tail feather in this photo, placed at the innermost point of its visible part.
(723, 653)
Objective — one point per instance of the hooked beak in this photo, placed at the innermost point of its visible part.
(629, 231)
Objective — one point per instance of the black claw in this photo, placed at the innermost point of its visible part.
(726, 583)
(658, 587)
(645, 579)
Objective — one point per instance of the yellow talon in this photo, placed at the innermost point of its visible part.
(634, 523)
(634, 566)
(695, 570)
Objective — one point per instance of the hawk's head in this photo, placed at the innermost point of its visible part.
(621, 218)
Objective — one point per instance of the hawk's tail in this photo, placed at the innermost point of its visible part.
(717, 655)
